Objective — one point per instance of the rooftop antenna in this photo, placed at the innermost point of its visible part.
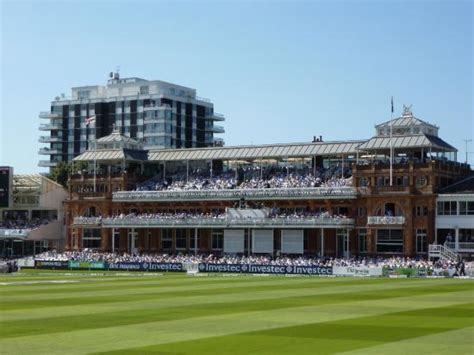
(117, 72)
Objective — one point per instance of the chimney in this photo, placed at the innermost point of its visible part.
(320, 138)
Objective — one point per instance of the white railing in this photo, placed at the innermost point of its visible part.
(133, 221)
(442, 252)
(386, 220)
(88, 221)
(261, 194)
(224, 222)
(14, 232)
(462, 246)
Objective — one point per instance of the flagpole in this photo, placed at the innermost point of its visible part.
(391, 146)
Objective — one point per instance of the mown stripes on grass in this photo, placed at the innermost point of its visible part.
(175, 313)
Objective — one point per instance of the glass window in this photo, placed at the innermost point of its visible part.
(91, 238)
(421, 180)
(217, 239)
(181, 239)
(421, 241)
(421, 211)
(362, 235)
(466, 208)
(166, 239)
(389, 241)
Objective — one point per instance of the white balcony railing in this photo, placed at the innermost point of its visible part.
(47, 163)
(49, 151)
(14, 232)
(462, 246)
(49, 139)
(386, 220)
(213, 222)
(237, 194)
(49, 127)
(49, 115)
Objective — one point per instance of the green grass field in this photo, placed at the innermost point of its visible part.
(178, 314)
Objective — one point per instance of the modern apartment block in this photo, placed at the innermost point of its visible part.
(155, 113)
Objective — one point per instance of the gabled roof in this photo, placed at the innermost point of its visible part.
(256, 151)
(404, 121)
(115, 136)
(407, 141)
(112, 154)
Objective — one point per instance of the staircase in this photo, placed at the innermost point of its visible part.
(442, 252)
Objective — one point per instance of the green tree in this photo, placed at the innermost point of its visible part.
(60, 173)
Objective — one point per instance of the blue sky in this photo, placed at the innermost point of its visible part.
(279, 71)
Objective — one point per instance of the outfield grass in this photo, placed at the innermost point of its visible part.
(175, 314)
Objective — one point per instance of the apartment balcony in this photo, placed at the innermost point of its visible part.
(386, 220)
(50, 127)
(216, 117)
(49, 115)
(218, 129)
(47, 163)
(49, 139)
(49, 151)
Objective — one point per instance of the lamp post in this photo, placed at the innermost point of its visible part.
(467, 141)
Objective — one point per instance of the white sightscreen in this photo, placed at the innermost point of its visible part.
(233, 240)
(262, 241)
(292, 241)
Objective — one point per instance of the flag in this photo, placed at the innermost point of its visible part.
(392, 104)
(89, 120)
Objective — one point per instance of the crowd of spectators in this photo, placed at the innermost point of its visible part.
(253, 177)
(390, 262)
(22, 225)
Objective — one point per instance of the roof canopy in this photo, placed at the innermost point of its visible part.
(407, 142)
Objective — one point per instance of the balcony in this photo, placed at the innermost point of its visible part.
(303, 193)
(47, 163)
(132, 222)
(218, 129)
(14, 233)
(49, 115)
(48, 151)
(49, 139)
(50, 127)
(216, 117)
(386, 220)
(461, 247)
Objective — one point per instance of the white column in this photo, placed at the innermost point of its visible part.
(133, 241)
(322, 242)
(195, 241)
(456, 239)
(348, 243)
(113, 240)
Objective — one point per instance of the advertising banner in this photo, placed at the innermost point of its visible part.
(408, 272)
(51, 264)
(266, 269)
(86, 264)
(357, 271)
(145, 266)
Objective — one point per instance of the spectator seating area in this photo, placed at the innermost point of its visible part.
(251, 178)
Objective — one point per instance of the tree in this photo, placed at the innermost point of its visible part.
(60, 173)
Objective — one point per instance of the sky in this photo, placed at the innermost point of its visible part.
(279, 71)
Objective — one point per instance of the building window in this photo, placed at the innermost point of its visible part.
(421, 211)
(421, 180)
(362, 235)
(447, 208)
(166, 239)
(91, 239)
(192, 240)
(144, 90)
(217, 239)
(181, 239)
(421, 241)
(466, 208)
(364, 181)
(390, 241)
(361, 211)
